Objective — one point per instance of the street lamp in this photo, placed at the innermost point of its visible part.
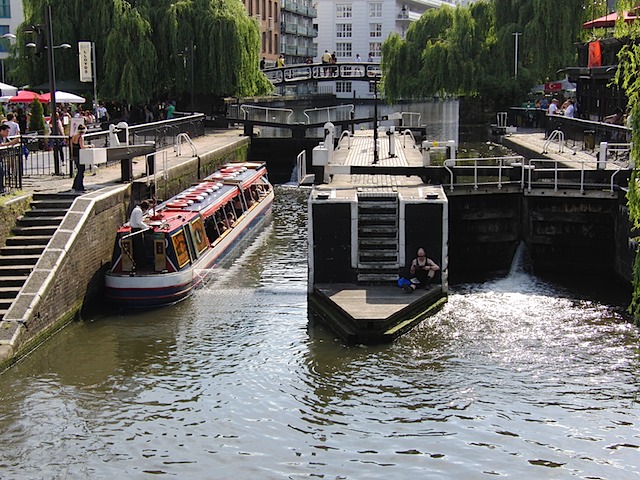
(516, 35)
(190, 54)
(375, 121)
(49, 48)
(7, 36)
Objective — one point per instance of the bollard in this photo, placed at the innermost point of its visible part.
(601, 157)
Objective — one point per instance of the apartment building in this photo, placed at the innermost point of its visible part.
(11, 16)
(267, 13)
(359, 27)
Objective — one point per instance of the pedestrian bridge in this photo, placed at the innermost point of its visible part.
(318, 72)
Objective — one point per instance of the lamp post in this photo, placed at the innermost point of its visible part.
(8, 36)
(49, 48)
(190, 54)
(516, 35)
(375, 121)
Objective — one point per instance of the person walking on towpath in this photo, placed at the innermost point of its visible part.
(77, 144)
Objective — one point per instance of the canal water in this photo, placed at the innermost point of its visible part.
(516, 377)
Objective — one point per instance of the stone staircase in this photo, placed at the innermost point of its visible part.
(30, 236)
(377, 238)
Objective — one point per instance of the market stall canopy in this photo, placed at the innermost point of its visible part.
(24, 96)
(610, 20)
(63, 97)
(557, 86)
(6, 89)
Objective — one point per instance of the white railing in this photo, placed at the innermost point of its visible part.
(572, 172)
(337, 112)
(411, 119)
(472, 166)
(266, 114)
(183, 137)
(556, 135)
(301, 166)
(404, 138)
(345, 133)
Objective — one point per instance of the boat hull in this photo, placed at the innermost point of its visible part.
(154, 290)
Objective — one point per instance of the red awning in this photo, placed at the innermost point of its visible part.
(25, 96)
(609, 20)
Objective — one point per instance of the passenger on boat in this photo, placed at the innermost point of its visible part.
(138, 226)
(423, 271)
(229, 221)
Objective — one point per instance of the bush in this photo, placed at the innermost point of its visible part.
(36, 121)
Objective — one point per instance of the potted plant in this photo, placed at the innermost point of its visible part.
(36, 121)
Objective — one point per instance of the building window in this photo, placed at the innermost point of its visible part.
(343, 87)
(374, 48)
(5, 9)
(343, 10)
(375, 30)
(4, 43)
(372, 87)
(375, 10)
(343, 30)
(343, 50)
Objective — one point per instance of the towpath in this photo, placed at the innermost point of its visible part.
(110, 175)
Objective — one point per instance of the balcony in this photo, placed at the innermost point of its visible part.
(291, 28)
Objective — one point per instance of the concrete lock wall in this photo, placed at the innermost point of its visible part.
(70, 273)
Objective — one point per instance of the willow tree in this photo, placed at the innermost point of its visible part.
(628, 79)
(442, 54)
(143, 46)
(130, 56)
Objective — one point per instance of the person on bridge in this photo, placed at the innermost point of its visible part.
(263, 63)
(423, 271)
(281, 60)
(326, 60)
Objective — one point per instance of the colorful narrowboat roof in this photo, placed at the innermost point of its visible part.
(205, 197)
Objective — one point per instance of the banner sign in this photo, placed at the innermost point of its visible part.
(86, 72)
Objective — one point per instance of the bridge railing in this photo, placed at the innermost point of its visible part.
(352, 71)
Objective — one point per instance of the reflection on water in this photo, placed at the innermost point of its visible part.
(514, 377)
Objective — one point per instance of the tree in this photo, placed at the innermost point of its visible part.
(470, 50)
(140, 46)
(627, 78)
(36, 120)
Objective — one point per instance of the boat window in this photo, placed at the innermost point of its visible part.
(198, 234)
(193, 252)
(180, 246)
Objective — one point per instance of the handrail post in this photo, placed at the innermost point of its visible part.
(475, 174)
(555, 176)
(500, 174)
(582, 177)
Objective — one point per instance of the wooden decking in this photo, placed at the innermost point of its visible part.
(373, 313)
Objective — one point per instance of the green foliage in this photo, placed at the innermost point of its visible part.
(627, 78)
(36, 120)
(143, 47)
(470, 50)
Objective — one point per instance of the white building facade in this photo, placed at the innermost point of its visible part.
(11, 16)
(359, 27)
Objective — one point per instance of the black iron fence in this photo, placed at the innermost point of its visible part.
(50, 155)
(10, 168)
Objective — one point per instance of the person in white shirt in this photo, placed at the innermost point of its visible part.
(136, 222)
(14, 128)
(570, 111)
(553, 107)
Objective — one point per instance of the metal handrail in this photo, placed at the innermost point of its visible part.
(556, 169)
(404, 138)
(349, 107)
(555, 135)
(301, 164)
(245, 109)
(186, 138)
(502, 166)
(342, 135)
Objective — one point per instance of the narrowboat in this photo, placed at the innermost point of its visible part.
(188, 236)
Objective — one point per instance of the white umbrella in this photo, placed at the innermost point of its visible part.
(8, 90)
(64, 97)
